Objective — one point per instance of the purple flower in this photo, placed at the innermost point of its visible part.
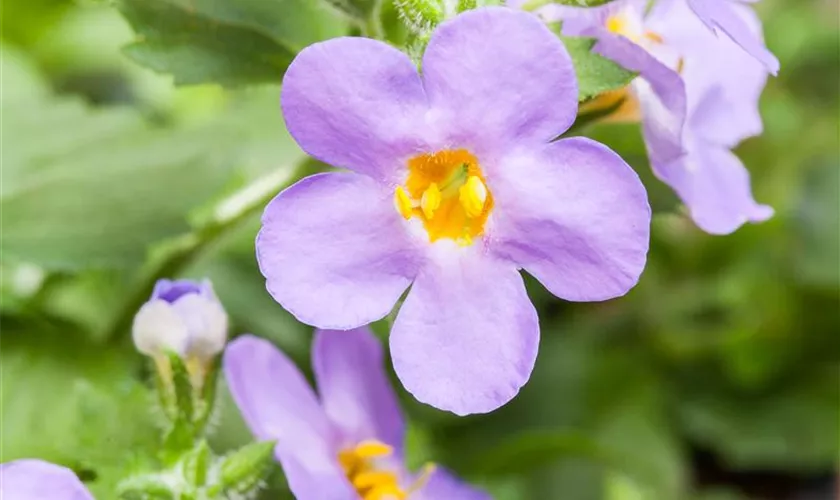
(181, 316)
(697, 98)
(455, 186)
(345, 445)
(724, 15)
(38, 480)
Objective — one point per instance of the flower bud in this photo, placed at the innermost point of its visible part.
(184, 317)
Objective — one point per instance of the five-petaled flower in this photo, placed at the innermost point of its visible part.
(31, 479)
(346, 444)
(697, 97)
(457, 183)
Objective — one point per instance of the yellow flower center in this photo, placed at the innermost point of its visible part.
(447, 192)
(360, 464)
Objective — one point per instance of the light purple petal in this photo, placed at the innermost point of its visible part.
(715, 187)
(587, 21)
(444, 485)
(32, 479)
(334, 250)
(354, 387)
(721, 14)
(277, 403)
(172, 290)
(575, 216)
(496, 77)
(661, 94)
(723, 83)
(306, 485)
(466, 337)
(355, 103)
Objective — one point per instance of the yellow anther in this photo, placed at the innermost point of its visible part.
(430, 200)
(472, 196)
(385, 492)
(374, 479)
(653, 37)
(372, 449)
(402, 202)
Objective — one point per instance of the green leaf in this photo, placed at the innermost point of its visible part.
(530, 450)
(793, 428)
(227, 42)
(596, 74)
(242, 470)
(89, 187)
(75, 403)
(357, 10)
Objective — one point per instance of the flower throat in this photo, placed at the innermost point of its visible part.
(447, 192)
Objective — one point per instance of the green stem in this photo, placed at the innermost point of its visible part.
(373, 24)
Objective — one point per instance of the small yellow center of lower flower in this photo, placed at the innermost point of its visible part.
(447, 192)
(362, 463)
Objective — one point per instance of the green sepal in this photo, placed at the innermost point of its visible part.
(421, 16)
(182, 387)
(242, 470)
(465, 5)
(166, 396)
(196, 463)
(179, 439)
(147, 487)
(206, 403)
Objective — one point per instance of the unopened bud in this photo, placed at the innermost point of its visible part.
(184, 317)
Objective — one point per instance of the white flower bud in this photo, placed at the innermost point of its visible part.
(184, 317)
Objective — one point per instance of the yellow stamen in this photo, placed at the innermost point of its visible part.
(402, 202)
(447, 191)
(385, 492)
(472, 196)
(372, 449)
(430, 200)
(654, 37)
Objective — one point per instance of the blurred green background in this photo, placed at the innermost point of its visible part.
(717, 377)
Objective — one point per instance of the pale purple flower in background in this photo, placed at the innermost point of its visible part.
(184, 317)
(344, 443)
(697, 97)
(456, 185)
(31, 479)
(724, 15)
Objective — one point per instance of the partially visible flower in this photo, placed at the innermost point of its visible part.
(697, 98)
(724, 15)
(184, 317)
(457, 183)
(31, 479)
(346, 444)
